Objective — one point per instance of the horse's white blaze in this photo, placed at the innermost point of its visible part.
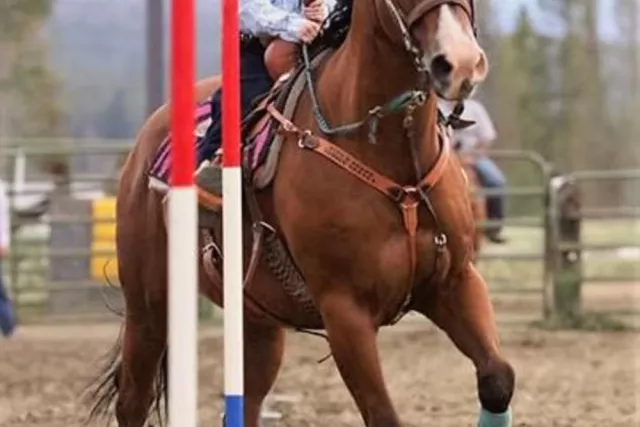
(457, 43)
(451, 34)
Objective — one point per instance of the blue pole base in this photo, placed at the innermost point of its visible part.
(489, 419)
(233, 411)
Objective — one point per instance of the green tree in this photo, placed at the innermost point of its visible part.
(521, 103)
(532, 87)
(626, 124)
(29, 90)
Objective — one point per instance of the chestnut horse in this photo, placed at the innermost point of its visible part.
(376, 230)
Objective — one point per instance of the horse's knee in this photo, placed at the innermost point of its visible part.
(495, 386)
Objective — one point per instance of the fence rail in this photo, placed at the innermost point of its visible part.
(557, 255)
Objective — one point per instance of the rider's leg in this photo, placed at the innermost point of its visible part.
(492, 177)
(212, 137)
(254, 81)
(7, 314)
(280, 57)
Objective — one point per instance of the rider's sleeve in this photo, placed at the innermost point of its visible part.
(330, 5)
(261, 17)
(5, 219)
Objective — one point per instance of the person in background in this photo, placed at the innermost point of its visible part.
(7, 314)
(476, 140)
(270, 30)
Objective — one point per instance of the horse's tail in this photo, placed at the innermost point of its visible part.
(103, 390)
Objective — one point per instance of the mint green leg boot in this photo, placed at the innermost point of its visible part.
(489, 419)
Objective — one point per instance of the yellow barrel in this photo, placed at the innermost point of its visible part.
(104, 267)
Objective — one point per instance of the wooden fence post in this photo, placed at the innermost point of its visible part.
(565, 221)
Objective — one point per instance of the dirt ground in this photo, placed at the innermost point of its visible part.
(564, 378)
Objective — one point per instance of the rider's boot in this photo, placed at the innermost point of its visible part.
(495, 237)
(208, 177)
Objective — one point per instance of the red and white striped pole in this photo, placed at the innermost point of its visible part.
(183, 241)
(232, 218)
(183, 302)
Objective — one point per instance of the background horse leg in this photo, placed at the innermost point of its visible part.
(465, 313)
(264, 347)
(352, 337)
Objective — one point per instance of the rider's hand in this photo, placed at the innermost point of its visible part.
(309, 31)
(316, 11)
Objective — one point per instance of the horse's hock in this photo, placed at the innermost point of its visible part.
(82, 256)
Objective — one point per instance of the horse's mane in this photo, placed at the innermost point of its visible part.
(334, 29)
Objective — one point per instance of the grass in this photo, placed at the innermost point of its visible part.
(508, 271)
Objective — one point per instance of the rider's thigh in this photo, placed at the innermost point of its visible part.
(489, 173)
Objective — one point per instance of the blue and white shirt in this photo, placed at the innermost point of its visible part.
(482, 132)
(275, 18)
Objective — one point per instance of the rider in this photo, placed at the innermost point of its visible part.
(270, 32)
(475, 140)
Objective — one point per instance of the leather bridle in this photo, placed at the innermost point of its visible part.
(406, 21)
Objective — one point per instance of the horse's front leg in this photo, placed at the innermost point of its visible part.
(352, 337)
(465, 313)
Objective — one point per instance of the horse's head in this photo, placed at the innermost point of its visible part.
(441, 36)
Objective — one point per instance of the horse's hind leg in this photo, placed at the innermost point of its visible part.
(143, 275)
(143, 347)
(144, 344)
(465, 313)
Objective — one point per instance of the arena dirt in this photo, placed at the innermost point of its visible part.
(564, 379)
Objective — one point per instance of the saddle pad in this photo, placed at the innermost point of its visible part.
(160, 170)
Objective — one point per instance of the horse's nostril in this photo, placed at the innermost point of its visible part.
(441, 67)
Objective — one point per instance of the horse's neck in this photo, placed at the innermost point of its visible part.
(367, 71)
